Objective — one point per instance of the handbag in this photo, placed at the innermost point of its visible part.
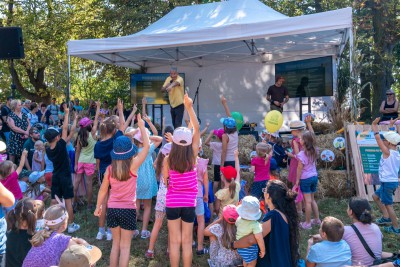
(368, 249)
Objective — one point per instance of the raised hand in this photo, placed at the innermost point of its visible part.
(98, 104)
(134, 108)
(144, 101)
(146, 118)
(376, 121)
(187, 101)
(140, 122)
(120, 104)
(223, 99)
(168, 137)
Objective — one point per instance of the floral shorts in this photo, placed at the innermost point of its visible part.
(160, 203)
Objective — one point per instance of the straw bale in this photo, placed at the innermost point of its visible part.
(323, 127)
(333, 183)
(325, 141)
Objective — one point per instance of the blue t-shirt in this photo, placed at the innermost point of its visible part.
(102, 151)
(330, 254)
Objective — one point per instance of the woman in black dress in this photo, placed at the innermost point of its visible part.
(19, 125)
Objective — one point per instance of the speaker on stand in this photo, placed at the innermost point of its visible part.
(11, 47)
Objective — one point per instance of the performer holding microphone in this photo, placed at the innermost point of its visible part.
(174, 85)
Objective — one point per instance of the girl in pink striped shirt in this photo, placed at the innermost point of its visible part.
(180, 176)
(121, 175)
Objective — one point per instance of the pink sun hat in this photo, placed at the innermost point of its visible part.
(84, 122)
(219, 132)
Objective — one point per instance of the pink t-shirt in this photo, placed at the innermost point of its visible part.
(261, 172)
(11, 183)
(216, 148)
(372, 235)
(309, 167)
(122, 193)
(182, 189)
(201, 169)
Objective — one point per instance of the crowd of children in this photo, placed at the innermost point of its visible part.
(131, 173)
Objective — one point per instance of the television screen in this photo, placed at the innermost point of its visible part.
(310, 77)
(149, 85)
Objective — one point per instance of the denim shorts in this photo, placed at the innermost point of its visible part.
(309, 185)
(199, 206)
(385, 192)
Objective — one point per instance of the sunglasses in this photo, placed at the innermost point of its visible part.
(389, 94)
(35, 132)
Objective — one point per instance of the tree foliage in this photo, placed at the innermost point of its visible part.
(49, 24)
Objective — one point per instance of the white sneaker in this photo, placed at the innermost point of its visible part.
(109, 236)
(73, 227)
(100, 235)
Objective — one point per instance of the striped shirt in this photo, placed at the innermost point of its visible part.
(182, 189)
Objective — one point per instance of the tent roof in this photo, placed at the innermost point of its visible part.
(229, 31)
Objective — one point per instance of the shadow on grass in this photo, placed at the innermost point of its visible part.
(327, 206)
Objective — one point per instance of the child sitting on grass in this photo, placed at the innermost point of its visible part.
(328, 249)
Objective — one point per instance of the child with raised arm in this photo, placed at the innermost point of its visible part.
(388, 176)
(230, 137)
(180, 176)
(122, 175)
(85, 163)
(146, 181)
(61, 181)
(249, 212)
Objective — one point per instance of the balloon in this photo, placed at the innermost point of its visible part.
(273, 121)
(238, 119)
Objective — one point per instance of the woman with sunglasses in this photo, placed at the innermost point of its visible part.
(389, 107)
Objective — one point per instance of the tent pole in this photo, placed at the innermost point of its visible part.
(69, 79)
(351, 42)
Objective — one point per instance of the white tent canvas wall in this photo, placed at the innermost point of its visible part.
(232, 46)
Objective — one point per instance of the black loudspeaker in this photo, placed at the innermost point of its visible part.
(11, 43)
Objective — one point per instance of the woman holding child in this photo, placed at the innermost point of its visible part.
(279, 228)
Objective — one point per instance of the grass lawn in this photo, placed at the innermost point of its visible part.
(328, 207)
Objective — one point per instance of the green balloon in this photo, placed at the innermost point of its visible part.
(238, 119)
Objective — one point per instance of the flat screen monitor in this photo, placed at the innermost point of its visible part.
(310, 77)
(149, 85)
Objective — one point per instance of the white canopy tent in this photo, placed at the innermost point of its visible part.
(244, 32)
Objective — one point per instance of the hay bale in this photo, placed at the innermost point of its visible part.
(325, 141)
(333, 183)
(323, 127)
(245, 145)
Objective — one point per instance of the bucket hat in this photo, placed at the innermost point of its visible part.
(123, 149)
(249, 209)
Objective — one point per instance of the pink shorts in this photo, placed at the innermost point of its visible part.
(86, 168)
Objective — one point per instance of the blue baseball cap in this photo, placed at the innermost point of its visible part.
(229, 122)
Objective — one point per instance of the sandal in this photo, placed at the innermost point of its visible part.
(202, 252)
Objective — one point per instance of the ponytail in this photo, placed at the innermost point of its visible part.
(232, 188)
(24, 211)
(41, 236)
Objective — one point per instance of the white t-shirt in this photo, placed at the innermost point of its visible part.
(389, 167)
(216, 148)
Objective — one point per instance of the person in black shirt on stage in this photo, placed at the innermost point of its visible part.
(278, 94)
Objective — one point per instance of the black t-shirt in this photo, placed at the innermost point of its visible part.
(5, 111)
(30, 146)
(277, 93)
(17, 247)
(39, 114)
(59, 157)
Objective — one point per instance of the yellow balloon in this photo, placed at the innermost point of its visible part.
(273, 121)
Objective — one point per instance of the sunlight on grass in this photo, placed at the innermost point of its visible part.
(328, 207)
